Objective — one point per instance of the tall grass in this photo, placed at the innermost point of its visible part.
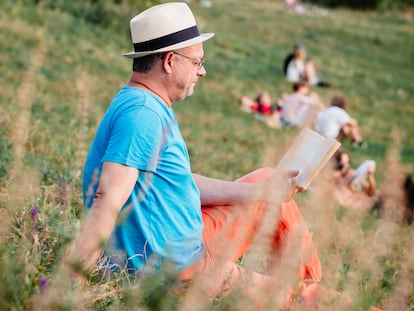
(59, 74)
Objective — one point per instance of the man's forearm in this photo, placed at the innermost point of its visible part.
(276, 189)
(220, 192)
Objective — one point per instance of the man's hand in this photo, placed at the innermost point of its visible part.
(280, 187)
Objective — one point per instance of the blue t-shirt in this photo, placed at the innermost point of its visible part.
(161, 220)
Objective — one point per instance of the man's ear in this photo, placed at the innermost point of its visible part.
(168, 62)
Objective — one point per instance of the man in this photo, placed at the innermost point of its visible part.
(335, 122)
(143, 199)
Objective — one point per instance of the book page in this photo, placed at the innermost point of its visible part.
(308, 154)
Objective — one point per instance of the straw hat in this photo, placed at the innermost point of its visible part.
(163, 28)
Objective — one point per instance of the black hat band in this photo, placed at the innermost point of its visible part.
(167, 40)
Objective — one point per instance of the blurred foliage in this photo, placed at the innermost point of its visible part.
(5, 155)
(366, 4)
(103, 13)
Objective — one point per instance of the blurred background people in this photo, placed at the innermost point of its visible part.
(354, 187)
(297, 67)
(299, 108)
(263, 107)
(294, 5)
(335, 122)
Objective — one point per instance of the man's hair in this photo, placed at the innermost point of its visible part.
(259, 96)
(338, 101)
(297, 85)
(338, 157)
(146, 63)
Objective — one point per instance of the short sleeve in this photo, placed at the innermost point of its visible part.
(135, 139)
(342, 116)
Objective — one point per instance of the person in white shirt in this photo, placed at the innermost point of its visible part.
(335, 122)
(298, 68)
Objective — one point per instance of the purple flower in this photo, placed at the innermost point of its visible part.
(43, 282)
(35, 211)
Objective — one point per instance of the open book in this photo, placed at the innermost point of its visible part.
(309, 152)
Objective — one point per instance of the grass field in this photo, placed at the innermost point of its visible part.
(59, 74)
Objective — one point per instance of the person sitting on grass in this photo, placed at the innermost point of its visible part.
(294, 5)
(146, 205)
(335, 122)
(300, 108)
(354, 187)
(297, 67)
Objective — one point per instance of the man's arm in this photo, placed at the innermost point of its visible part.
(276, 189)
(115, 186)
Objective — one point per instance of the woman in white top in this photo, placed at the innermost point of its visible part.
(300, 69)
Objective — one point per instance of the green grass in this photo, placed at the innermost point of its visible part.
(367, 56)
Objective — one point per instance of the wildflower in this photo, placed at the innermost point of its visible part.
(34, 212)
(35, 237)
(43, 282)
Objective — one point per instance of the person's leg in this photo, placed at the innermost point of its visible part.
(291, 223)
(312, 76)
(229, 232)
(234, 223)
(246, 104)
(292, 228)
(310, 73)
(352, 132)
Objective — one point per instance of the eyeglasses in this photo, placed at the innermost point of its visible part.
(198, 63)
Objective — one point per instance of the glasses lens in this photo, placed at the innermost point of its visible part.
(201, 63)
